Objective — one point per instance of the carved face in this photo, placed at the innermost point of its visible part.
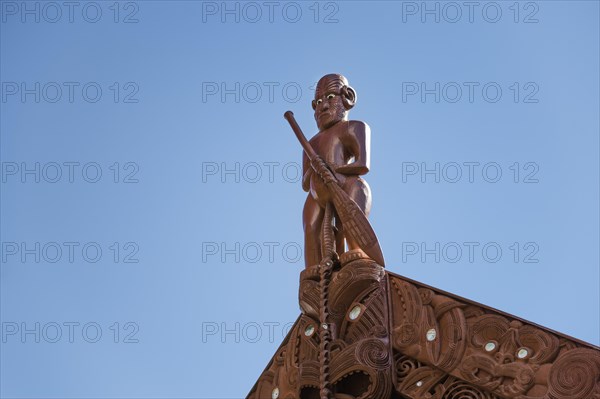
(333, 99)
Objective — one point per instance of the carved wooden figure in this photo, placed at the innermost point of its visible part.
(365, 333)
(344, 145)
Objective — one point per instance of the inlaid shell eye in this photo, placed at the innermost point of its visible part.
(319, 101)
(310, 329)
(355, 312)
(490, 346)
(330, 96)
(522, 353)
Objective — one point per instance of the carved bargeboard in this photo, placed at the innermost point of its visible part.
(447, 347)
(397, 338)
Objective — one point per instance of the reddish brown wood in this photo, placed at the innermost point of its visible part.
(353, 221)
(333, 163)
(385, 353)
(365, 333)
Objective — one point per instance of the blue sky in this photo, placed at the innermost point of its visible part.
(150, 201)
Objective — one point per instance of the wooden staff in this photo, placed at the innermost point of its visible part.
(355, 223)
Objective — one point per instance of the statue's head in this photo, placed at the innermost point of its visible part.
(333, 99)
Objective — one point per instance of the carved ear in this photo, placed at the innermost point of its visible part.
(314, 105)
(349, 96)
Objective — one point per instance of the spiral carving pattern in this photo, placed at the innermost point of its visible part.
(575, 375)
(373, 353)
(460, 390)
(404, 366)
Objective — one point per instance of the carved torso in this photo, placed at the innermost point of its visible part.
(335, 145)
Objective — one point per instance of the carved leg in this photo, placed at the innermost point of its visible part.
(312, 218)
